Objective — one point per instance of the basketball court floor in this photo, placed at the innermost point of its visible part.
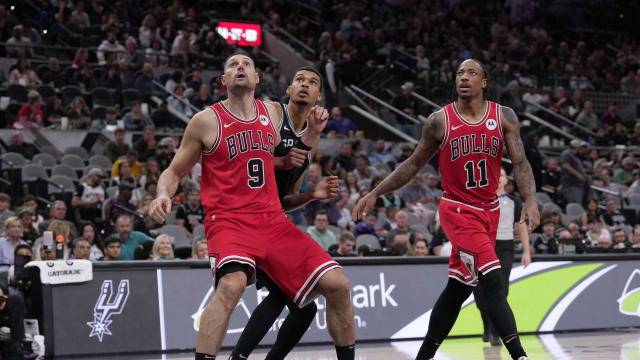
(609, 345)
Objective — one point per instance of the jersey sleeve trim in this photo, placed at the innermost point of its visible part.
(266, 111)
(216, 142)
(445, 137)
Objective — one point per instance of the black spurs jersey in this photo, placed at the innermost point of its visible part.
(286, 179)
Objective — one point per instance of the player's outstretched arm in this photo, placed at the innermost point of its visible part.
(432, 133)
(184, 160)
(522, 173)
(326, 189)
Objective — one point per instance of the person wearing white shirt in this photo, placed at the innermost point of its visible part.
(108, 46)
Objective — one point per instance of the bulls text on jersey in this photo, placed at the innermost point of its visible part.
(244, 141)
(470, 144)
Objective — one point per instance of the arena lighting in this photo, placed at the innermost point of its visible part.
(242, 34)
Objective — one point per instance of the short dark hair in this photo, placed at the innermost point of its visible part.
(238, 52)
(28, 198)
(313, 70)
(22, 246)
(485, 75)
(320, 212)
(77, 240)
(111, 239)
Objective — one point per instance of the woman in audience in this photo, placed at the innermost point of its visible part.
(29, 233)
(79, 114)
(162, 248)
(24, 75)
(597, 236)
(61, 231)
(124, 172)
(31, 114)
(11, 234)
(151, 172)
(80, 58)
(351, 183)
(90, 232)
(590, 210)
(199, 251)
(420, 247)
(53, 112)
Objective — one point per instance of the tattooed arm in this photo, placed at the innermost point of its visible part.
(432, 133)
(522, 173)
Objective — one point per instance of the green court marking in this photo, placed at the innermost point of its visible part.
(530, 299)
(475, 349)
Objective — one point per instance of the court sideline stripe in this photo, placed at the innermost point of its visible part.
(163, 340)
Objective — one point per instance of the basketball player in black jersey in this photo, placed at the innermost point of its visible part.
(293, 158)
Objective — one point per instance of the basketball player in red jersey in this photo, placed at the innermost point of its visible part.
(245, 224)
(469, 135)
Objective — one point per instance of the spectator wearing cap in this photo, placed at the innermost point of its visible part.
(18, 145)
(31, 114)
(624, 174)
(115, 149)
(178, 102)
(341, 125)
(408, 104)
(89, 197)
(121, 205)
(574, 178)
(135, 119)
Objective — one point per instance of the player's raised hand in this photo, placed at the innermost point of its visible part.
(317, 119)
(294, 158)
(160, 207)
(327, 188)
(362, 207)
(530, 210)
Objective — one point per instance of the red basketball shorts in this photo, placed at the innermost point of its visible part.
(272, 243)
(472, 231)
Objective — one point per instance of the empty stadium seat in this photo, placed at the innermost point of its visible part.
(72, 160)
(44, 159)
(367, 239)
(77, 150)
(66, 170)
(13, 159)
(179, 235)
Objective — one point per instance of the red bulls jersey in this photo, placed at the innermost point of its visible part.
(237, 172)
(470, 155)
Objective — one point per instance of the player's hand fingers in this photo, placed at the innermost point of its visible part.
(325, 115)
(298, 152)
(534, 220)
(356, 212)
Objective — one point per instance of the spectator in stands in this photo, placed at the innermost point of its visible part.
(151, 172)
(346, 244)
(434, 192)
(405, 151)
(344, 159)
(628, 84)
(80, 58)
(177, 78)
(320, 232)
(351, 184)
(84, 79)
(619, 136)
(110, 122)
(612, 217)
(532, 96)
(53, 75)
(597, 236)
(574, 177)
(13, 308)
(399, 246)
(129, 239)
(31, 114)
(110, 50)
(132, 62)
(367, 225)
(610, 118)
(345, 222)
(551, 176)
(18, 45)
(162, 117)
(120, 205)
(634, 138)
(420, 246)
(548, 242)
(90, 232)
(79, 19)
(340, 124)
(636, 238)
(80, 249)
(135, 119)
(415, 191)
(402, 227)
(380, 154)
(164, 153)
(587, 118)
(199, 251)
(79, 114)
(275, 84)
(147, 31)
(511, 97)
(115, 149)
(146, 145)
(624, 174)
(162, 249)
(18, 145)
(203, 98)
(123, 170)
(53, 112)
(5, 211)
(156, 55)
(112, 78)
(363, 171)
(89, 197)
(144, 81)
(113, 248)
(185, 35)
(191, 213)
(178, 102)
(314, 175)
(29, 201)
(29, 232)
(406, 103)
(620, 242)
(11, 237)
